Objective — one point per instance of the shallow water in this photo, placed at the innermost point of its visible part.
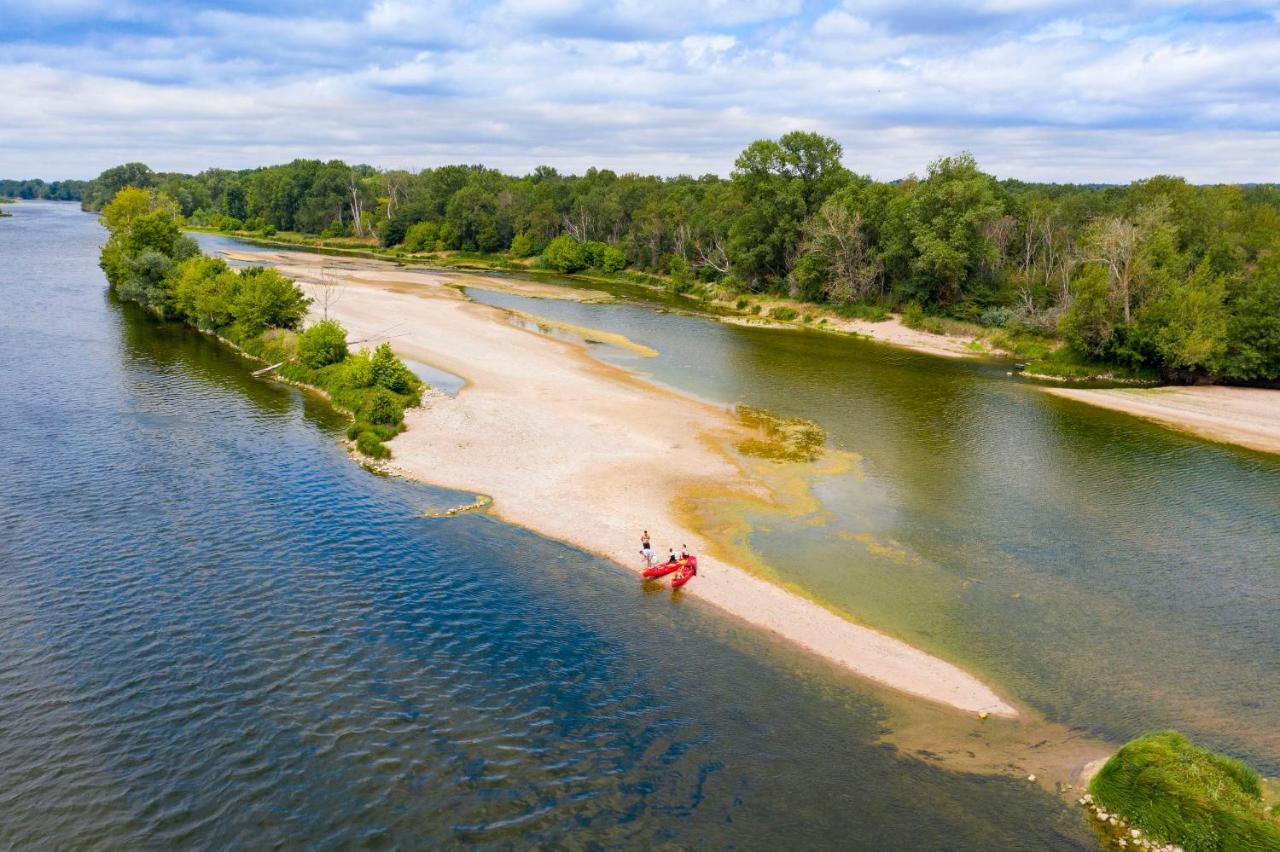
(217, 629)
(1116, 575)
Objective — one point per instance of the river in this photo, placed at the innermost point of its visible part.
(219, 630)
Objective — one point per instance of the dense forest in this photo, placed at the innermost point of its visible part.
(1159, 274)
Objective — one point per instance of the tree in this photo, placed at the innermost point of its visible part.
(836, 260)
(780, 184)
(266, 299)
(951, 211)
(1090, 323)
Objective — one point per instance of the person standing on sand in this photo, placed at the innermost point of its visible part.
(645, 550)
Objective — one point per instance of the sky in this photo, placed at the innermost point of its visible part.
(1036, 89)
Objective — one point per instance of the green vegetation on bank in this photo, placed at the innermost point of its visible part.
(1160, 276)
(1173, 791)
(58, 190)
(149, 261)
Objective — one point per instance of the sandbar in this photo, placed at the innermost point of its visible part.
(1245, 417)
(590, 454)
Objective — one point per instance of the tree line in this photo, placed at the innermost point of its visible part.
(29, 190)
(148, 260)
(1159, 274)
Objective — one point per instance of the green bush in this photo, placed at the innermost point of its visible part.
(368, 444)
(421, 237)
(1177, 792)
(913, 315)
(611, 259)
(382, 431)
(522, 245)
(741, 304)
(565, 254)
(382, 407)
(322, 344)
(784, 314)
(390, 372)
(755, 309)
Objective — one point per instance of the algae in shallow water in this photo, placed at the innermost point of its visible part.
(786, 439)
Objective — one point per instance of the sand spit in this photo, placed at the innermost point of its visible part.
(1246, 417)
(589, 454)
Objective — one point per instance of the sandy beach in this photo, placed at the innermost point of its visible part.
(590, 454)
(1246, 417)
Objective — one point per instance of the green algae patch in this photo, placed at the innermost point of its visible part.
(783, 439)
(1174, 791)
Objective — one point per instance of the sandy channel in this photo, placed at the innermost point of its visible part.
(1246, 417)
(590, 454)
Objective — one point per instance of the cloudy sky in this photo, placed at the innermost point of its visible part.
(1036, 89)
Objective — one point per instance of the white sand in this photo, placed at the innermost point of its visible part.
(1247, 417)
(590, 454)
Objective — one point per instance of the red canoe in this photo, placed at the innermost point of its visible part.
(662, 569)
(686, 573)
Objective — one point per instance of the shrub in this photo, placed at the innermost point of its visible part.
(421, 237)
(741, 304)
(913, 315)
(368, 444)
(784, 314)
(390, 372)
(755, 309)
(323, 344)
(997, 317)
(565, 254)
(612, 259)
(383, 408)
(1178, 792)
(522, 245)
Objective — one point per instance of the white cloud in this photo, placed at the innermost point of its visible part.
(1049, 90)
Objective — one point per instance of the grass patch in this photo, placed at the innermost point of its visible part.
(784, 314)
(369, 444)
(870, 313)
(1177, 792)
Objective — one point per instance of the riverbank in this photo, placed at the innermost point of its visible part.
(891, 330)
(1245, 417)
(575, 450)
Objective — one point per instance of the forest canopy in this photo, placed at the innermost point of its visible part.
(1159, 274)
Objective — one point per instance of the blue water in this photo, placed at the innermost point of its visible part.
(219, 630)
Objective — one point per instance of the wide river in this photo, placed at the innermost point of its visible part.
(215, 629)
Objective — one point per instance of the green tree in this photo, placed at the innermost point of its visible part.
(1090, 323)
(950, 212)
(322, 344)
(565, 254)
(390, 372)
(266, 299)
(780, 183)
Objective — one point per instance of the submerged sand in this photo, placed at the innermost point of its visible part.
(590, 454)
(1246, 417)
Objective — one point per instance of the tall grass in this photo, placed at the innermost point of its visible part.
(1177, 792)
